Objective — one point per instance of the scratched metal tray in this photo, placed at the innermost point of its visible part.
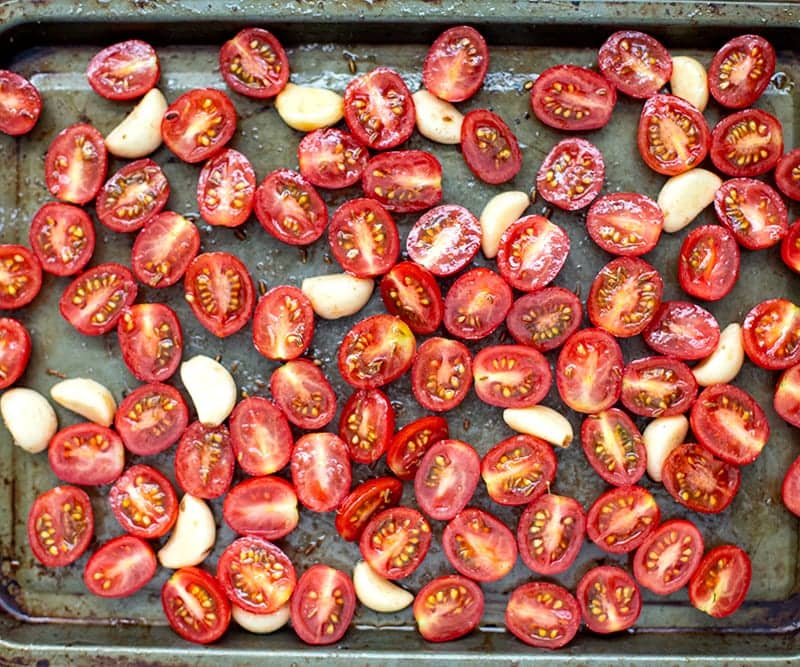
(47, 615)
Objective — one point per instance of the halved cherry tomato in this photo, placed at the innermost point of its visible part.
(60, 525)
(195, 605)
(226, 189)
(730, 423)
(447, 478)
(518, 469)
(20, 104)
(479, 545)
(571, 174)
(151, 418)
(323, 605)
(771, 334)
(668, 558)
(283, 323)
(303, 393)
(747, 143)
(124, 71)
(289, 208)
(412, 441)
(132, 196)
(120, 567)
(410, 292)
(625, 296)
(614, 447)
(609, 599)
(364, 238)
(543, 614)
(379, 109)
(76, 163)
(220, 292)
(321, 471)
(708, 264)
(476, 304)
(489, 147)
(531, 253)
(441, 374)
(376, 351)
(741, 70)
(511, 376)
(263, 506)
(151, 341)
(625, 223)
(568, 97)
(445, 239)
(144, 502)
(260, 436)
(331, 158)
(589, 371)
(544, 319)
(790, 247)
(94, 302)
(636, 63)
(790, 489)
(254, 63)
(448, 607)
(673, 135)
(658, 387)
(367, 424)
(786, 399)
(363, 502)
(395, 541)
(198, 124)
(753, 211)
(721, 581)
(204, 460)
(622, 518)
(62, 238)
(20, 276)
(550, 533)
(697, 479)
(787, 174)
(87, 454)
(15, 350)
(164, 249)
(682, 329)
(403, 181)
(456, 64)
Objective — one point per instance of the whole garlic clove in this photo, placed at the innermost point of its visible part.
(689, 81)
(377, 593)
(500, 212)
(437, 120)
(29, 418)
(660, 437)
(192, 537)
(542, 422)
(139, 134)
(211, 387)
(338, 294)
(683, 197)
(725, 362)
(261, 624)
(305, 108)
(86, 397)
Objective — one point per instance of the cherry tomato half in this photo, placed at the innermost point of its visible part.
(445, 239)
(741, 70)
(144, 502)
(476, 304)
(379, 109)
(790, 489)
(682, 329)
(518, 469)
(721, 581)
(120, 567)
(76, 163)
(363, 502)
(668, 558)
(636, 63)
(771, 334)
(550, 533)
(204, 460)
(479, 545)
(786, 399)
(376, 351)
(226, 189)
(543, 615)
(531, 253)
(321, 471)
(94, 302)
(262, 506)
(164, 249)
(195, 605)
(673, 135)
(790, 247)
(609, 599)
(658, 387)
(253, 63)
(20, 104)
(20, 276)
(411, 292)
(151, 418)
(303, 393)
(622, 518)
(60, 525)
(625, 223)
(568, 97)
(367, 424)
(124, 71)
(62, 238)
(545, 318)
(447, 478)
(331, 158)
(708, 265)
(511, 376)
(198, 124)
(323, 604)
(395, 541)
(151, 341)
(15, 351)
(87, 454)
(403, 181)
(571, 174)
(289, 208)
(456, 64)
(747, 143)
(589, 371)
(410, 443)
(448, 607)
(260, 436)
(364, 238)
(697, 479)
(489, 147)
(787, 174)
(283, 323)
(132, 196)
(441, 374)
(753, 211)
(614, 447)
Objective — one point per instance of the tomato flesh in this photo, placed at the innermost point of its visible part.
(262, 506)
(410, 443)
(673, 135)
(198, 124)
(164, 248)
(15, 351)
(364, 238)
(622, 518)
(476, 304)
(20, 104)
(323, 604)
(532, 251)
(625, 223)
(511, 376)
(444, 240)
(545, 318)
(365, 501)
(403, 181)
(669, 557)
(447, 478)
(456, 64)
(489, 147)
(144, 502)
(376, 351)
(87, 454)
(571, 175)
(20, 276)
(747, 143)
(226, 189)
(741, 70)
(479, 545)
(60, 525)
(132, 196)
(448, 607)
(708, 265)
(151, 418)
(76, 163)
(412, 293)
(321, 471)
(151, 341)
(195, 605)
(331, 158)
(289, 208)
(543, 614)
(614, 447)
(441, 374)
(753, 211)
(589, 371)
(94, 301)
(283, 323)
(771, 334)
(609, 599)
(62, 237)
(568, 97)
(550, 533)
(301, 390)
(379, 109)
(120, 567)
(124, 71)
(721, 581)
(395, 541)
(260, 436)
(254, 63)
(204, 460)
(636, 63)
(699, 480)
(684, 330)
(658, 387)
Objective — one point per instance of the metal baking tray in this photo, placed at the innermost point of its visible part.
(46, 616)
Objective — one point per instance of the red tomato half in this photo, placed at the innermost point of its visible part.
(697, 479)
(658, 387)
(787, 174)
(589, 371)
(323, 605)
(198, 124)
(367, 424)
(15, 351)
(379, 109)
(479, 545)
(614, 447)
(489, 147)
(76, 163)
(195, 605)
(132, 196)
(545, 318)
(790, 247)
(476, 304)
(447, 478)
(448, 607)
(260, 436)
(741, 70)
(226, 189)
(412, 293)
(682, 329)
(721, 581)
(164, 249)
(62, 238)
(331, 158)
(511, 376)
(124, 71)
(20, 104)
(151, 341)
(289, 208)
(94, 302)
(771, 334)
(410, 443)
(445, 239)
(543, 615)
(550, 533)
(144, 502)
(204, 460)
(403, 181)
(519, 469)
(747, 143)
(568, 97)
(395, 541)
(321, 471)
(531, 253)
(253, 63)
(790, 489)
(87, 454)
(120, 567)
(151, 418)
(625, 223)
(60, 525)
(708, 265)
(622, 518)
(667, 559)
(609, 599)
(303, 393)
(364, 238)
(571, 174)
(753, 211)
(787, 395)
(376, 351)
(636, 63)
(456, 64)
(283, 323)
(441, 374)
(363, 502)
(262, 506)
(673, 135)
(20, 276)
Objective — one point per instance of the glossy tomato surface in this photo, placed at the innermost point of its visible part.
(519, 469)
(254, 63)
(395, 541)
(199, 124)
(120, 567)
(441, 374)
(364, 238)
(195, 605)
(625, 223)
(635, 62)
(708, 264)
(151, 341)
(476, 304)
(87, 454)
(164, 248)
(403, 181)
(545, 318)
(747, 143)
(511, 376)
(699, 480)
(771, 334)
(790, 248)
(132, 196)
(60, 525)
(124, 71)
(532, 251)
(571, 174)
(20, 104)
(76, 163)
(151, 418)
(331, 158)
(62, 238)
(721, 581)
(226, 189)
(543, 615)
(550, 533)
(20, 276)
(290, 208)
(321, 471)
(412, 293)
(376, 351)
(786, 400)
(410, 443)
(609, 599)
(568, 97)
(753, 211)
(323, 605)
(446, 479)
(673, 135)
(479, 545)
(682, 329)
(741, 70)
(456, 64)
(622, 518)
(448, 607)
(15, 350)
(204, 460)
(658, 387)
(444, 240)
(301, 390)
(614, 447)
(263, 506)
(787, 174)
(790, 488)
(144, 502)
(589, 371)
(367, 424)
(260, 436)
(363, 502)
(95, 300)
(283, 323)
(489, 147)
(668, 558)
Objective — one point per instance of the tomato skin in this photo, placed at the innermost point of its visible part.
(626, 224)
(613, 446)
(511, 376)
(403, 181)
(545, 318)
(667, 559)
(395, 541)
(124, 71)
(260, 436)
(697, 479)
(519, 469)
(73, 528)
(786, 399)
(448, 607)
(62, 238)
(571, 174)
(226, 189)
(532, 251)
(411, 292)
(444, 239)
(741, 70)
(76, 163)
(533, 617)
(301, 390)
(609, 599)
(588, 371)
(790, 488)
(456, 64)
(550, 533)
(588, 97)
(204, 460)
(708, 265)
(790, 247)
(367, 424)
(289, 208)
(20, 276)
(321, 471)
(15, 351)
(262, 506)
(658, 387)
(759, 135)
(144, 502)
(622, 518)
(753, 211)
(636, 63)
(363, 502)
(376, 351)
(331, 158)
(446, 479)
(364, 238)
(682, 329)
(254, 63)
(164, 248)
(151, 418)
(20, 104)
(120, 567)
(323, 605)
(489, 147)
(132, 196)
(441, 374)
(476, 304)
(283, 323)
(771, 334)
(151, 341)
(720, 583)
(372, 97)
(787, 174)
(87, 454)
(198, 124)
(208, 595)
(479, 546)
(410, 443)
(94, 301)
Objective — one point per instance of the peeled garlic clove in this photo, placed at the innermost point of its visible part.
(338, 294)
(689, 81)
(139, 134)
(211, 387)
(29, 418)
(86, 397)
(542, 422)
(684, 196)
(500, 212)
(192, 536)
(437, 120)
(377, 593)
(261, 624)
(660, 437)
(725, 362)
(305, 108)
